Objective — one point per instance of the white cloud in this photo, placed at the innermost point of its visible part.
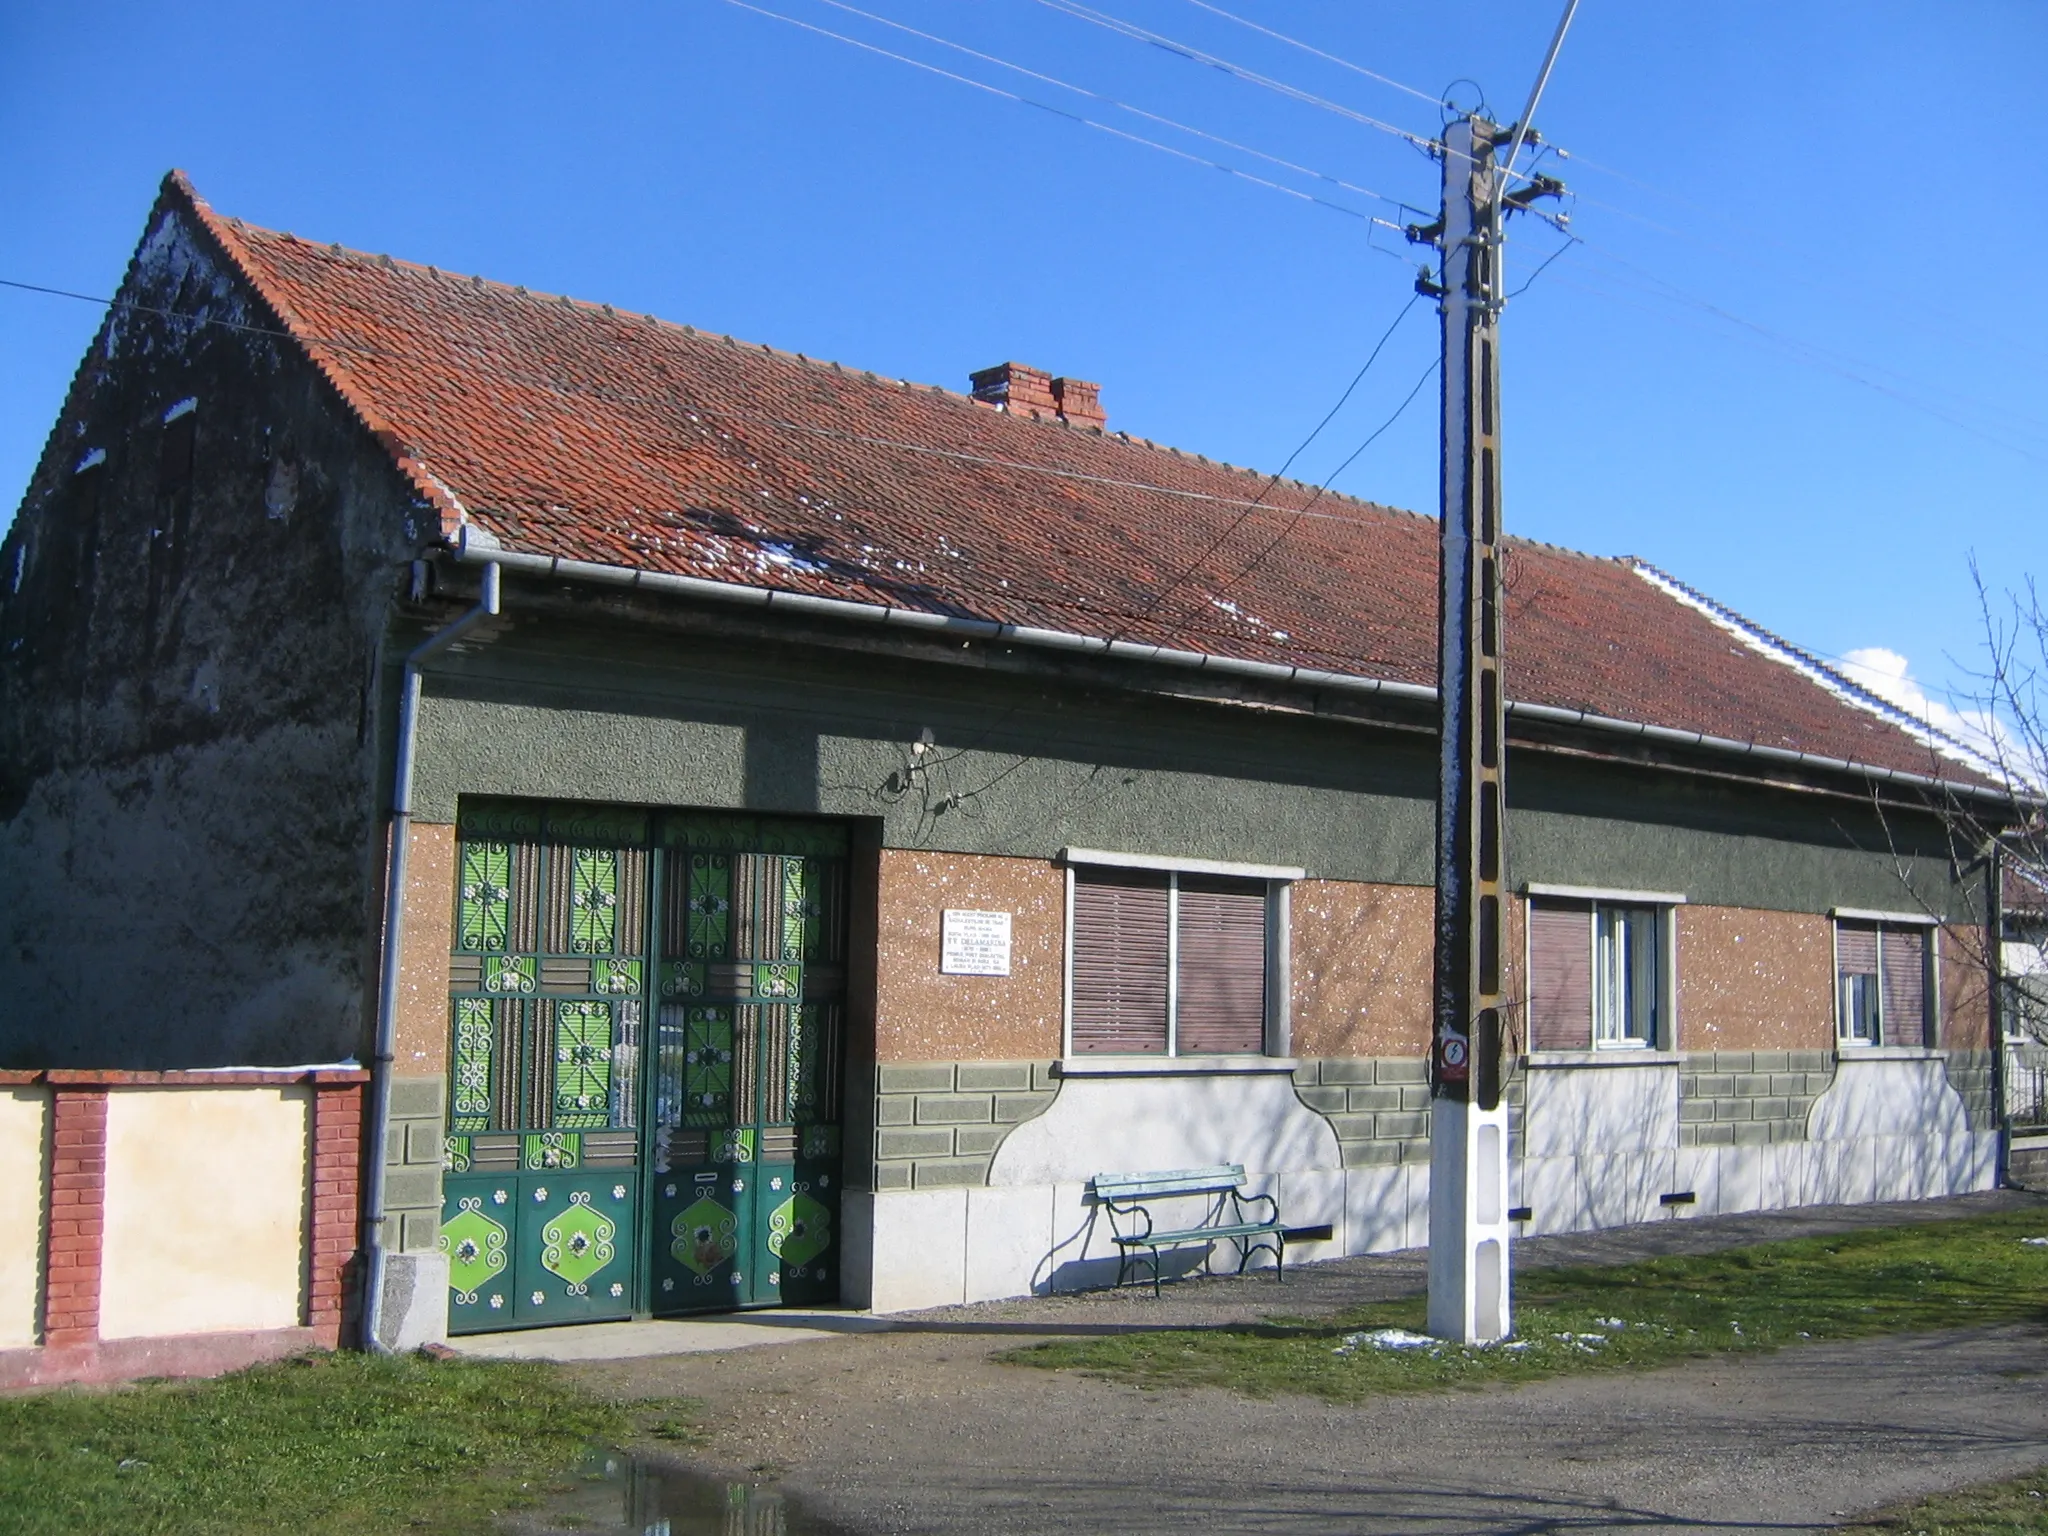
(1889, 675)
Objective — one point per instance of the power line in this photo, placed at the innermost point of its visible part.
(1343, 63)
(1124, 106)
(1543, 266)
(709, 406)
(1237, 71)
(1086, 122)
(1194, 55)
(1274, 479)
(1816, 356)
(1307, 509)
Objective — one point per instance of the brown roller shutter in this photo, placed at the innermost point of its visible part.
(1560, 976)
(1905, 986)
(1222, 966)
(1856, 949)
(1120, 959)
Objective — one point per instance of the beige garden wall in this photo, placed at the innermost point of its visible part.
(206, 1210)
(24, 1152)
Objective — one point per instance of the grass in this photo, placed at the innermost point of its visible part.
(317, 1445)
(1918, 1278)
(2016, 1507)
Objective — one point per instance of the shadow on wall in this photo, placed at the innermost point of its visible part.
(781, 768)
(1086, 1259)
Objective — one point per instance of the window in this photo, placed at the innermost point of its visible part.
(1169, 962)
(1881, 982)
(1599, 974)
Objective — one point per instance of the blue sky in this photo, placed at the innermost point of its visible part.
(1793, 361)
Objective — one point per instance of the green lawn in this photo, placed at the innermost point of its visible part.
(1932, 1275)
(2018, 1507)
(322, 1444)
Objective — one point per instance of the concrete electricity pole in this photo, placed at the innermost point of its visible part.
(1469, 1297)
(1468, 1128)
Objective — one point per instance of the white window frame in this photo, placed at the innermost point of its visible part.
(1606, 983)
(1662, 905)
(1279, 881)
(1929, 1027)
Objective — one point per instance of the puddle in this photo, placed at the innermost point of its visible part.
(620, 1494)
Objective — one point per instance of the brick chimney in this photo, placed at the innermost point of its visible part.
(1031, 392)
(1080, 403)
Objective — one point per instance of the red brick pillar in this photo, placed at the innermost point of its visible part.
(337, 1164)
(78, 1199)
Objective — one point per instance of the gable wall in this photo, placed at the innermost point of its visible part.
(186, 717)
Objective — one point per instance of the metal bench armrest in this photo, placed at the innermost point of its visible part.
(1130, 1221)
(1239, 1201)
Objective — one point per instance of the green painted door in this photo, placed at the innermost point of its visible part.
(745, 1122)
(541, 1181)
(592, 1172)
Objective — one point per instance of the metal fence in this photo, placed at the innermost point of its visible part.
(2026, 1056)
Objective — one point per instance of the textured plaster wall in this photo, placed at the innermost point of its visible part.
(188, 720)
(24, 1153)
(1754, 981)
(921, 1015)
(185, 1251)
(551, 710)
(422, 1042)
(1965, 990)
(1361, 958)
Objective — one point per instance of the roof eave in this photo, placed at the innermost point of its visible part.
(470, 546)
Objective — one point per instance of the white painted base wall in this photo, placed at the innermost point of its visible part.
(1600, 1148)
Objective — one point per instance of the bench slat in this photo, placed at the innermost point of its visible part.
(1193, 1234)
(1171, 1181)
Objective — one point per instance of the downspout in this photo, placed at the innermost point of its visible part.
(394, 933)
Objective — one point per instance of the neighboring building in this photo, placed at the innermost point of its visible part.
(874, 811)
(2024, 1006)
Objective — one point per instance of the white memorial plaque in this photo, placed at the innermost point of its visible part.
(975, 944)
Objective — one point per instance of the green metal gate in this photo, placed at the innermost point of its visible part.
(592, 1172)
(747, 1071)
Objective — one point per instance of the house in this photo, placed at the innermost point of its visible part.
(839, 817)
(2024, 1009)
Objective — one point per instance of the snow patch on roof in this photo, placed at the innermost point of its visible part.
(1815, 671)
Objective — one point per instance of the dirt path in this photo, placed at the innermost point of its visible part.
(922, 1430)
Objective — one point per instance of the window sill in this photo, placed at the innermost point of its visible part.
(1887, 1053)
(1619, 1056)
(1174, 1066)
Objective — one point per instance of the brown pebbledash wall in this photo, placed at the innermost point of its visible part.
(1752, 980)
(1965, 991)
(421, 1049)
(1362, 957)
(921, 1015)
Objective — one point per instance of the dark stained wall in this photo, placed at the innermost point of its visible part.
(188, 853)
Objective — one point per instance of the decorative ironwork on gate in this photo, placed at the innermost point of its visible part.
(571, 923)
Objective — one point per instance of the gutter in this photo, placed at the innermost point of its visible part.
(394, 934)
(470, 549)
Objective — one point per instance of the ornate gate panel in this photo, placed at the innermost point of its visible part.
(548, 987)
(745, 1120)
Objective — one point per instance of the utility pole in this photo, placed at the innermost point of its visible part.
(1469, 1290)
(1468, 1123)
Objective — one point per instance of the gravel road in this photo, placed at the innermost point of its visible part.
(920, 1430)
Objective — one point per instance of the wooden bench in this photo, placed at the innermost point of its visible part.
(1230, 1216)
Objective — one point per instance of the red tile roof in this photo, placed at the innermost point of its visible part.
(570, 429)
